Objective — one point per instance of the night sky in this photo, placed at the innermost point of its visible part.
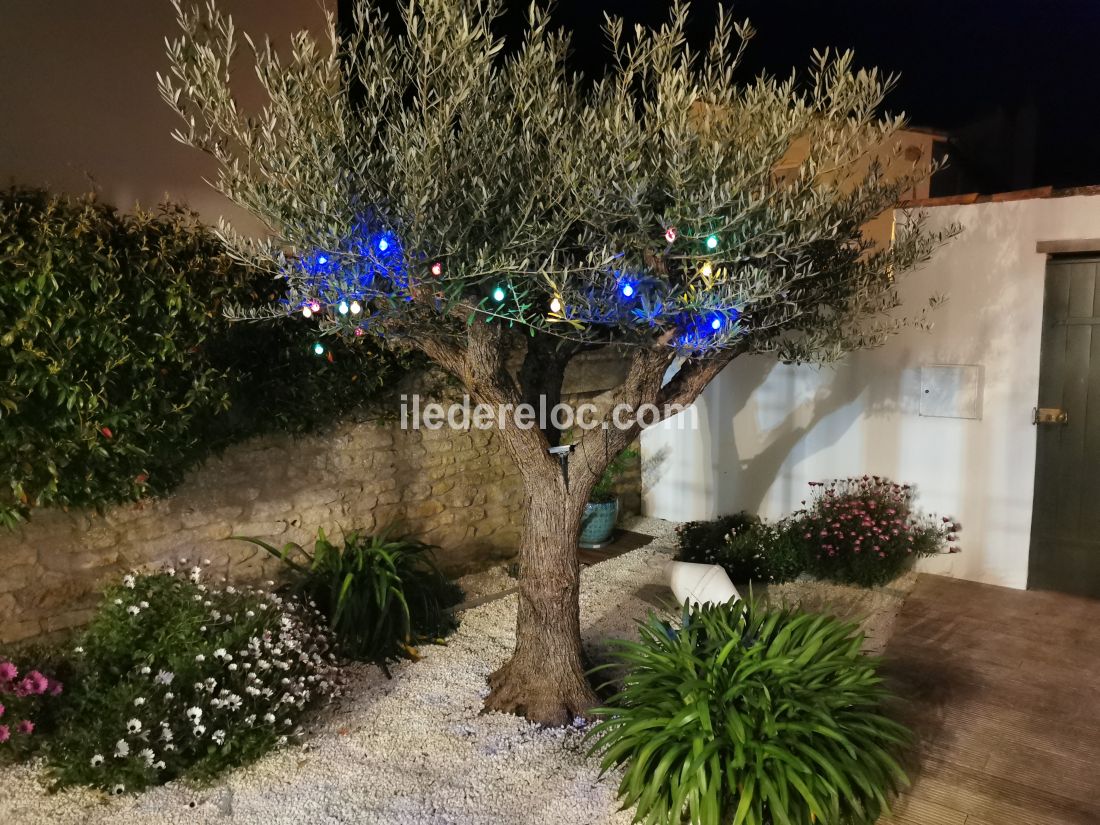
(1017, 82)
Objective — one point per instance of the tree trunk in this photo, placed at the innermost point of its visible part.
(545, 680)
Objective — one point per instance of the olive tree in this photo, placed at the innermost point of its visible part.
(428, 183)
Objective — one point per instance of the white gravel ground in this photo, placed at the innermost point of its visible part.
(415, 749)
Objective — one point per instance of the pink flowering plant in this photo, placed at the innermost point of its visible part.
(179, 678)
(28, 699)
(866, 530)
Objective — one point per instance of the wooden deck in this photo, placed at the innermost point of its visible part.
(1003, 690)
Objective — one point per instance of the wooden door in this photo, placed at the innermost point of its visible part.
(1065, 524)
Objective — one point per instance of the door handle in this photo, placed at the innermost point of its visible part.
(1049, 415)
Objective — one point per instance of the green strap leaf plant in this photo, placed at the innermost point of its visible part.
(751, 715)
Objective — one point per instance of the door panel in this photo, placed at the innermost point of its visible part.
(1065, 526)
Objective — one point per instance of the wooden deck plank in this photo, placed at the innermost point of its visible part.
(1002, 688)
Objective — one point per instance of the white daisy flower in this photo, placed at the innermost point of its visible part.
(122, 749)
(134, 726)
(97, 760)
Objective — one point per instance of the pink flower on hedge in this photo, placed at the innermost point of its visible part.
(1, 710)
(33, 684)
(5, 734)
(8, 671)
(56, 688)
(26, 727)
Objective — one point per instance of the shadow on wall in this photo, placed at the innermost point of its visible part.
(766, 429)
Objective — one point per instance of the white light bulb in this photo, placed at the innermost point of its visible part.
(306, 312)
(555, 305)
(343, 307)
(355, 308)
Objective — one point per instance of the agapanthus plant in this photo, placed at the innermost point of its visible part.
(24, 698)
(181, 679)
(866, 531)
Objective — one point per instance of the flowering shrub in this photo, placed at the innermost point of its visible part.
(702, 541)
(24, 699)
(762, 552)
(749, 549)
(865, 530)
(175, 678)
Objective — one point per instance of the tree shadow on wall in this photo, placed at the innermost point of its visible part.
(763, 413)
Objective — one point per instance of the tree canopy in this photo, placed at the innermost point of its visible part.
(419, 177)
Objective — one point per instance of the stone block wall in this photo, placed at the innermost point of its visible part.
(455, 489)
(458, 490)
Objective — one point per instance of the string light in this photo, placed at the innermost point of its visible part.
(322, 260)
(314, 306)
(318, 348)
(555, 305)
(359, 332)
(712, 242)
(355, 308)
(437, 269)
(343, 308)
(498, 294)
(628, 290)
(383, 244)
(716, 323)
(708, 270)
(670, 234)
(306, 312)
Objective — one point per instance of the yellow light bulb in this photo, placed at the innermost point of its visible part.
(708, 270)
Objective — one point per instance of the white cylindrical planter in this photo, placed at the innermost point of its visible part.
(700, 583)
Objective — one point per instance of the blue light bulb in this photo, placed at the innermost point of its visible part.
(716, 323)
(628, 290)
(498, 294)
(383, 245)
(322, 260)
(712, 242)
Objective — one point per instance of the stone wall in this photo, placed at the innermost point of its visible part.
(458, 490)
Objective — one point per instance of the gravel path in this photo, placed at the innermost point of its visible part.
(415, 749)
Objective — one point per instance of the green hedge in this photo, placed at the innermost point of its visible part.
(118, 370)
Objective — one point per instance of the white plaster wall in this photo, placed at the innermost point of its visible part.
(766, 430)
(81, 110)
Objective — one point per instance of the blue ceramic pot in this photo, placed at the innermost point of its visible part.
(598, 522)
